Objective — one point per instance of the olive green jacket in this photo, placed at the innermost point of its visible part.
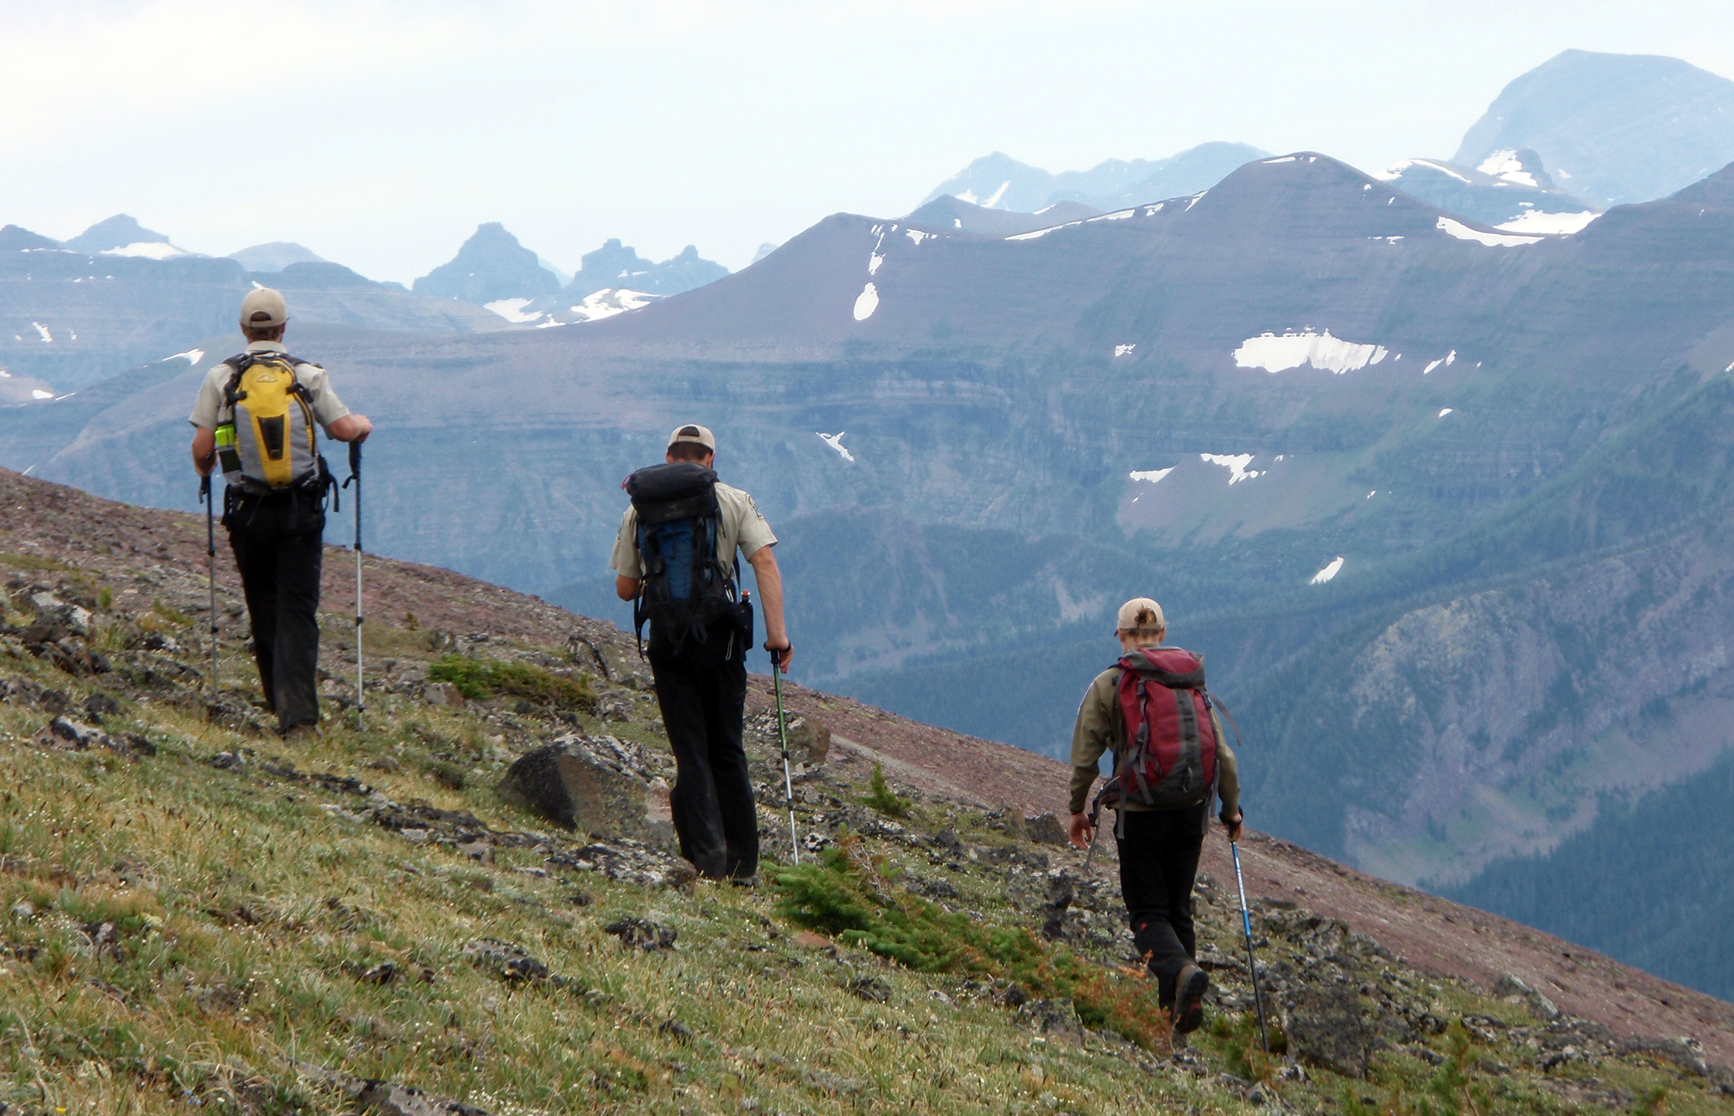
(1101, 728)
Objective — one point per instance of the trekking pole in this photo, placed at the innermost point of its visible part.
(1095, 832)
(783, 737)
(355, 475)
(208, 500)
(1251, 961)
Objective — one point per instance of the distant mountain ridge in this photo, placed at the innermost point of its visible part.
(1510, 190)
(1613, 128)
(490, 266)
(998, 181)
(275, 256)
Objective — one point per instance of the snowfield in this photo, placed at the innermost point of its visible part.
(1280, 352)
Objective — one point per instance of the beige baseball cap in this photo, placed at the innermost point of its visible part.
(1141, 608)
(692, 432)
(264, 300)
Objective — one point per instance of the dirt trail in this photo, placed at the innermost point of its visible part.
(142, 550)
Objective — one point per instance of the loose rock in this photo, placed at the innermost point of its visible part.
(601, 786)
(641, 933)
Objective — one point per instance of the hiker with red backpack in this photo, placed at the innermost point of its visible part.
(1152, 712)
(674, 558)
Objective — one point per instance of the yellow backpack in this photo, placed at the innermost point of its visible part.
(269, 442)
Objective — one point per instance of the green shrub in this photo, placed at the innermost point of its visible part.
(882, 798)
(481, 679)
(842, 897)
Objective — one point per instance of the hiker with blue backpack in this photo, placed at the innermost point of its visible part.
(675, 559)
(1152, 712)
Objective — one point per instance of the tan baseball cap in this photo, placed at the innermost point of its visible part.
(692, 432)
(1141, 608)
(264, 300)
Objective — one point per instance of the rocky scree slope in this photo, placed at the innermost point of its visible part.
(192, 911)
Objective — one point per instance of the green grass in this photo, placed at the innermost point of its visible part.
(32, 562)
(483, 679)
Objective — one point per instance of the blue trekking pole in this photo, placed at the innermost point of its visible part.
(1251, 961)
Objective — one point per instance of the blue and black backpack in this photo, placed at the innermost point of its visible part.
(685, 588)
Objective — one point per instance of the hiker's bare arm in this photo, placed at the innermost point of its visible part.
(1080, 831)
(626, 588)
(351, 428)
(204, 450)
(770, 580)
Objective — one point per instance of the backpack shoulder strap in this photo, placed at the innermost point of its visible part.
(237, 364)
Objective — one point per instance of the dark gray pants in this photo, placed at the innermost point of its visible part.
(702, 690)
(278, 542)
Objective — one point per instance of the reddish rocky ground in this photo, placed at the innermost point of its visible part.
(117, 544)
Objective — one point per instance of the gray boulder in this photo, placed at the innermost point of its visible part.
(597, 785)
(1045, 829)
(1324, 1026)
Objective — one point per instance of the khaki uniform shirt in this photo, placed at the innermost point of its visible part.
(1101, 728)
(741, 526)
(209, 410)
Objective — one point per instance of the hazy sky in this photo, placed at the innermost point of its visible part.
(381, 134)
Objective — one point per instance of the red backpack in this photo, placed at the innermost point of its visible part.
(1168, 760)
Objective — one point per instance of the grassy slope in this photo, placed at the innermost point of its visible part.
(248, 908)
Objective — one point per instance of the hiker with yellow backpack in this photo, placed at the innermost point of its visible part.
(258, 413)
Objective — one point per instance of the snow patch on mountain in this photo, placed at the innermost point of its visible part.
(512, 309)
(1124, 350)
(1506, 165)
(1279, 352)
(1235, 463)
(866, 302)
(147, 249)
(835, 441)
(610, 301)
(1492, 240)
(38, 393)
(42, 331)
(191, 356)
(1331, 570)
(1150, 476)
(1555, 224)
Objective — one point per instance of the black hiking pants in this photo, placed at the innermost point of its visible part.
(1158, 864)
(702, 689)
(278, 541)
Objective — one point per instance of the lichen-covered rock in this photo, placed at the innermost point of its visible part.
(596, 785)
(1045, 829)
(1057, 1017)
(809, 741)
(1325, 1026)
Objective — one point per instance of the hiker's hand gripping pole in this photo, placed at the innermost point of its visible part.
(1251, 961)
(783, 739)
(208, 500)
(355, 476)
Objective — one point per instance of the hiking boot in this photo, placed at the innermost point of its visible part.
(1190, 985)
(302, 734)
(744, 881)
